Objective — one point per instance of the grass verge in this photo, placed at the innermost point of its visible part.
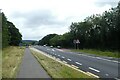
(0, 64)
(56, 69)
(11, 58)
(98, 52)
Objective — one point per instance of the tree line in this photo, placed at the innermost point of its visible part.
(99, 31)
(10, 34)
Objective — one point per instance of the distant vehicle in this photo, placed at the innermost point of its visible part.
(58, 47)
(51, 46)
(44, 45)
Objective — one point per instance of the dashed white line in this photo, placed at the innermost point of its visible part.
(53, 50)
(69, 59)
(107, 74)
(48, 49)
(63, 57)
(94, 69)
(78, 63)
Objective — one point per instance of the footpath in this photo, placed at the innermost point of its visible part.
(30, 67)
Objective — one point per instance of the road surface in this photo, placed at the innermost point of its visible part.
(104, 68)
(30, 67)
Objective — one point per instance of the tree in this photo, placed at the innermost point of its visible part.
(5, 33)
(46, 39)
(96, 31)
(15, 36)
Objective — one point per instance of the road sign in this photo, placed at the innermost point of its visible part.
(74, 41)
(77, 41)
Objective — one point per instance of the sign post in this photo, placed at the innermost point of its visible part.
(76, 43)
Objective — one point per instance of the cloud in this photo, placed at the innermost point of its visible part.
(37, 18)
(101, 3)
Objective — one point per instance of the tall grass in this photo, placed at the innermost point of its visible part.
(11, 58)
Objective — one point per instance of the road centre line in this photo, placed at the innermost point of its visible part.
(94, 69)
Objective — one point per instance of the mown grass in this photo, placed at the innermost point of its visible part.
(56, 69)
(11, 59)
(98, 52)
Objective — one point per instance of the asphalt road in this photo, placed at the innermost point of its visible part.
(104, 68)
(30, 67)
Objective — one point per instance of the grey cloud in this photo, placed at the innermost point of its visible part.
(38, 18)
(113, 3)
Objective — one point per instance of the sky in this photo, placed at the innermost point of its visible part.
(37, 18)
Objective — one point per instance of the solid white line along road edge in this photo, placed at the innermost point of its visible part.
(78, 63)
(74, 66)
(94, 69)
(69, 59)
(62, 62)
(65, 62)
(100, 58)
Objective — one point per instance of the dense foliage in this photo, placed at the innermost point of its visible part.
(10, 34)
(46, 39)
(96, 31)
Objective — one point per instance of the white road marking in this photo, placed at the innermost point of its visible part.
(63, 57)
(94, 69)
(74, 66)
(53, 50)
(117, 79)
(78, 63)
(69, 59)
(107, 74)
(89, 73)
(58, 59)
(100, 58)
(65, 62)
(48, 49)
